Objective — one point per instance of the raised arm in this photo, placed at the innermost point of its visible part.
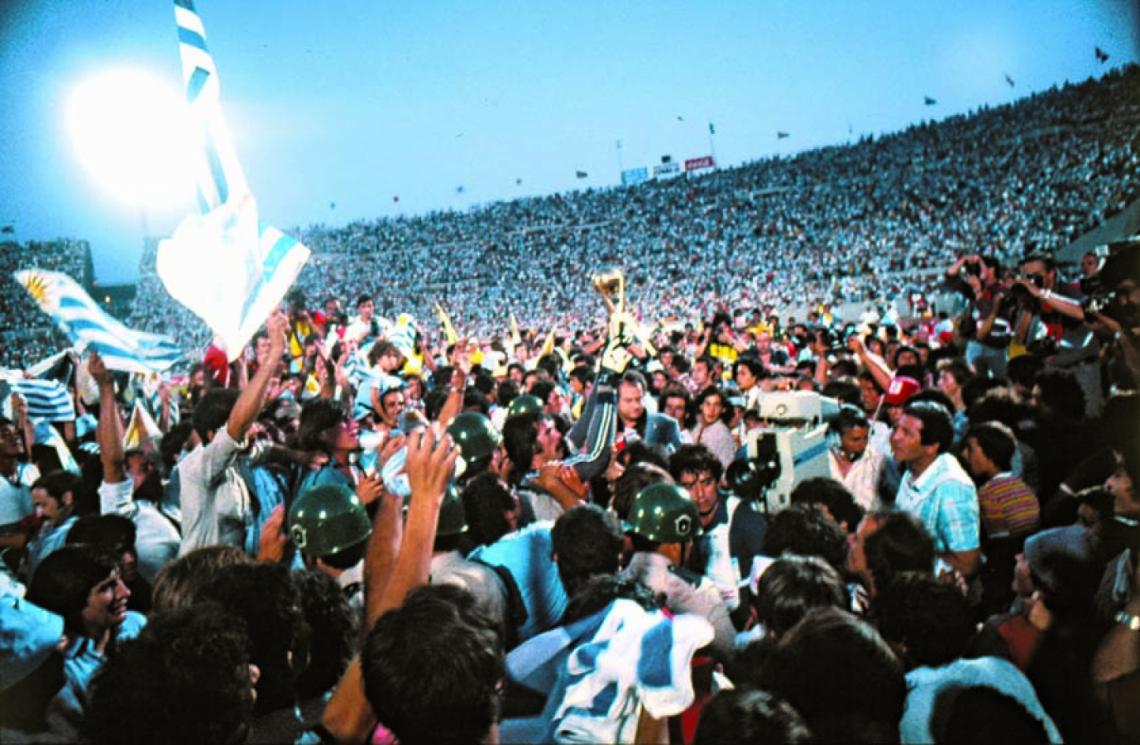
(873, 362)
(252, 397)
(430, 463)
(109, 433)
(393, 567)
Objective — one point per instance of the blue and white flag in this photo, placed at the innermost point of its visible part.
(599, 672)
(47, 400)
(89, 327)
(224, 264)
(635, 659)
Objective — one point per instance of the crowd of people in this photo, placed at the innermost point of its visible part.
(364, 528)
(847, 223)
(352, 533)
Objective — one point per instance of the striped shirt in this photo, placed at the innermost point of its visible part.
(1009, 507)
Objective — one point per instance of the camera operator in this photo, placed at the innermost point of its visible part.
(986, 329)
(1053, 325)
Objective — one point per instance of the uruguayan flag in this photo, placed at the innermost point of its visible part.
(47, 400)
(146, 389)
(223, 264)
(88, 326)
(607, 668)
(357, 369)
(402, 334)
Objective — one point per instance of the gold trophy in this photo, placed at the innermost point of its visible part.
(611, 285)
(624, 328)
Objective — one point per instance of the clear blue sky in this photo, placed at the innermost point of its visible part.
(355, 101)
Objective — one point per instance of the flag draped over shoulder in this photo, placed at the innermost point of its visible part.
(600, 671)
(88, 326)
(224, 264)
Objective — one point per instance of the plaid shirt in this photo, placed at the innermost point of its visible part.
(946, 502)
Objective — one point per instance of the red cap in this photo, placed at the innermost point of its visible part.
(901, 390)
(217, 364)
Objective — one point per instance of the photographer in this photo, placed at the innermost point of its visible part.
(986, 329)
(1052, 324)
(1112, 310)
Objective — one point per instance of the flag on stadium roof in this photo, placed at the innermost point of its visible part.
(929, 101)
(1101, 55)
(1009, 80)
(47, 400)
(712, 129)
(782, 135)
(580, 174)
(224, 264)
(89, 326)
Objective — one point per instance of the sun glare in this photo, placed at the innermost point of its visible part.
(130, 131)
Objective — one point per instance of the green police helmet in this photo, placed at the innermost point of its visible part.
(452, 517)
(476, 437)
(524, 404)
(663, 513)
(327, 519)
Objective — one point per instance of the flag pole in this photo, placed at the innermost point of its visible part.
(712, 147)
(620, 166)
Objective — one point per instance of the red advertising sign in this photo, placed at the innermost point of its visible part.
(695, 164)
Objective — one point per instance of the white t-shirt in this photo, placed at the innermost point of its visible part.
(215, 499)
(156, 538)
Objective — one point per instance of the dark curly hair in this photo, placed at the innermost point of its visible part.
(333, 624)
(432, 668)
(588, 542)
(695, 459)
(63, 581)
(794, 585)
(486, 500)
(803, 530)
(930, 618)
(267, 598)
(185, 679)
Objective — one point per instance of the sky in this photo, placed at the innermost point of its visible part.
(339, 106)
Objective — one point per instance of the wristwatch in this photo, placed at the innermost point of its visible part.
(1127, 619)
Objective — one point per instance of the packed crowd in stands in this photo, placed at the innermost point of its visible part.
(846, 223)
(364, 531)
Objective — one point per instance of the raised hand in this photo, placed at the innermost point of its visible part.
(98, 370)
(431, 460)
(278, 325)
(390, 447)
(369, 489)
(271, 542)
